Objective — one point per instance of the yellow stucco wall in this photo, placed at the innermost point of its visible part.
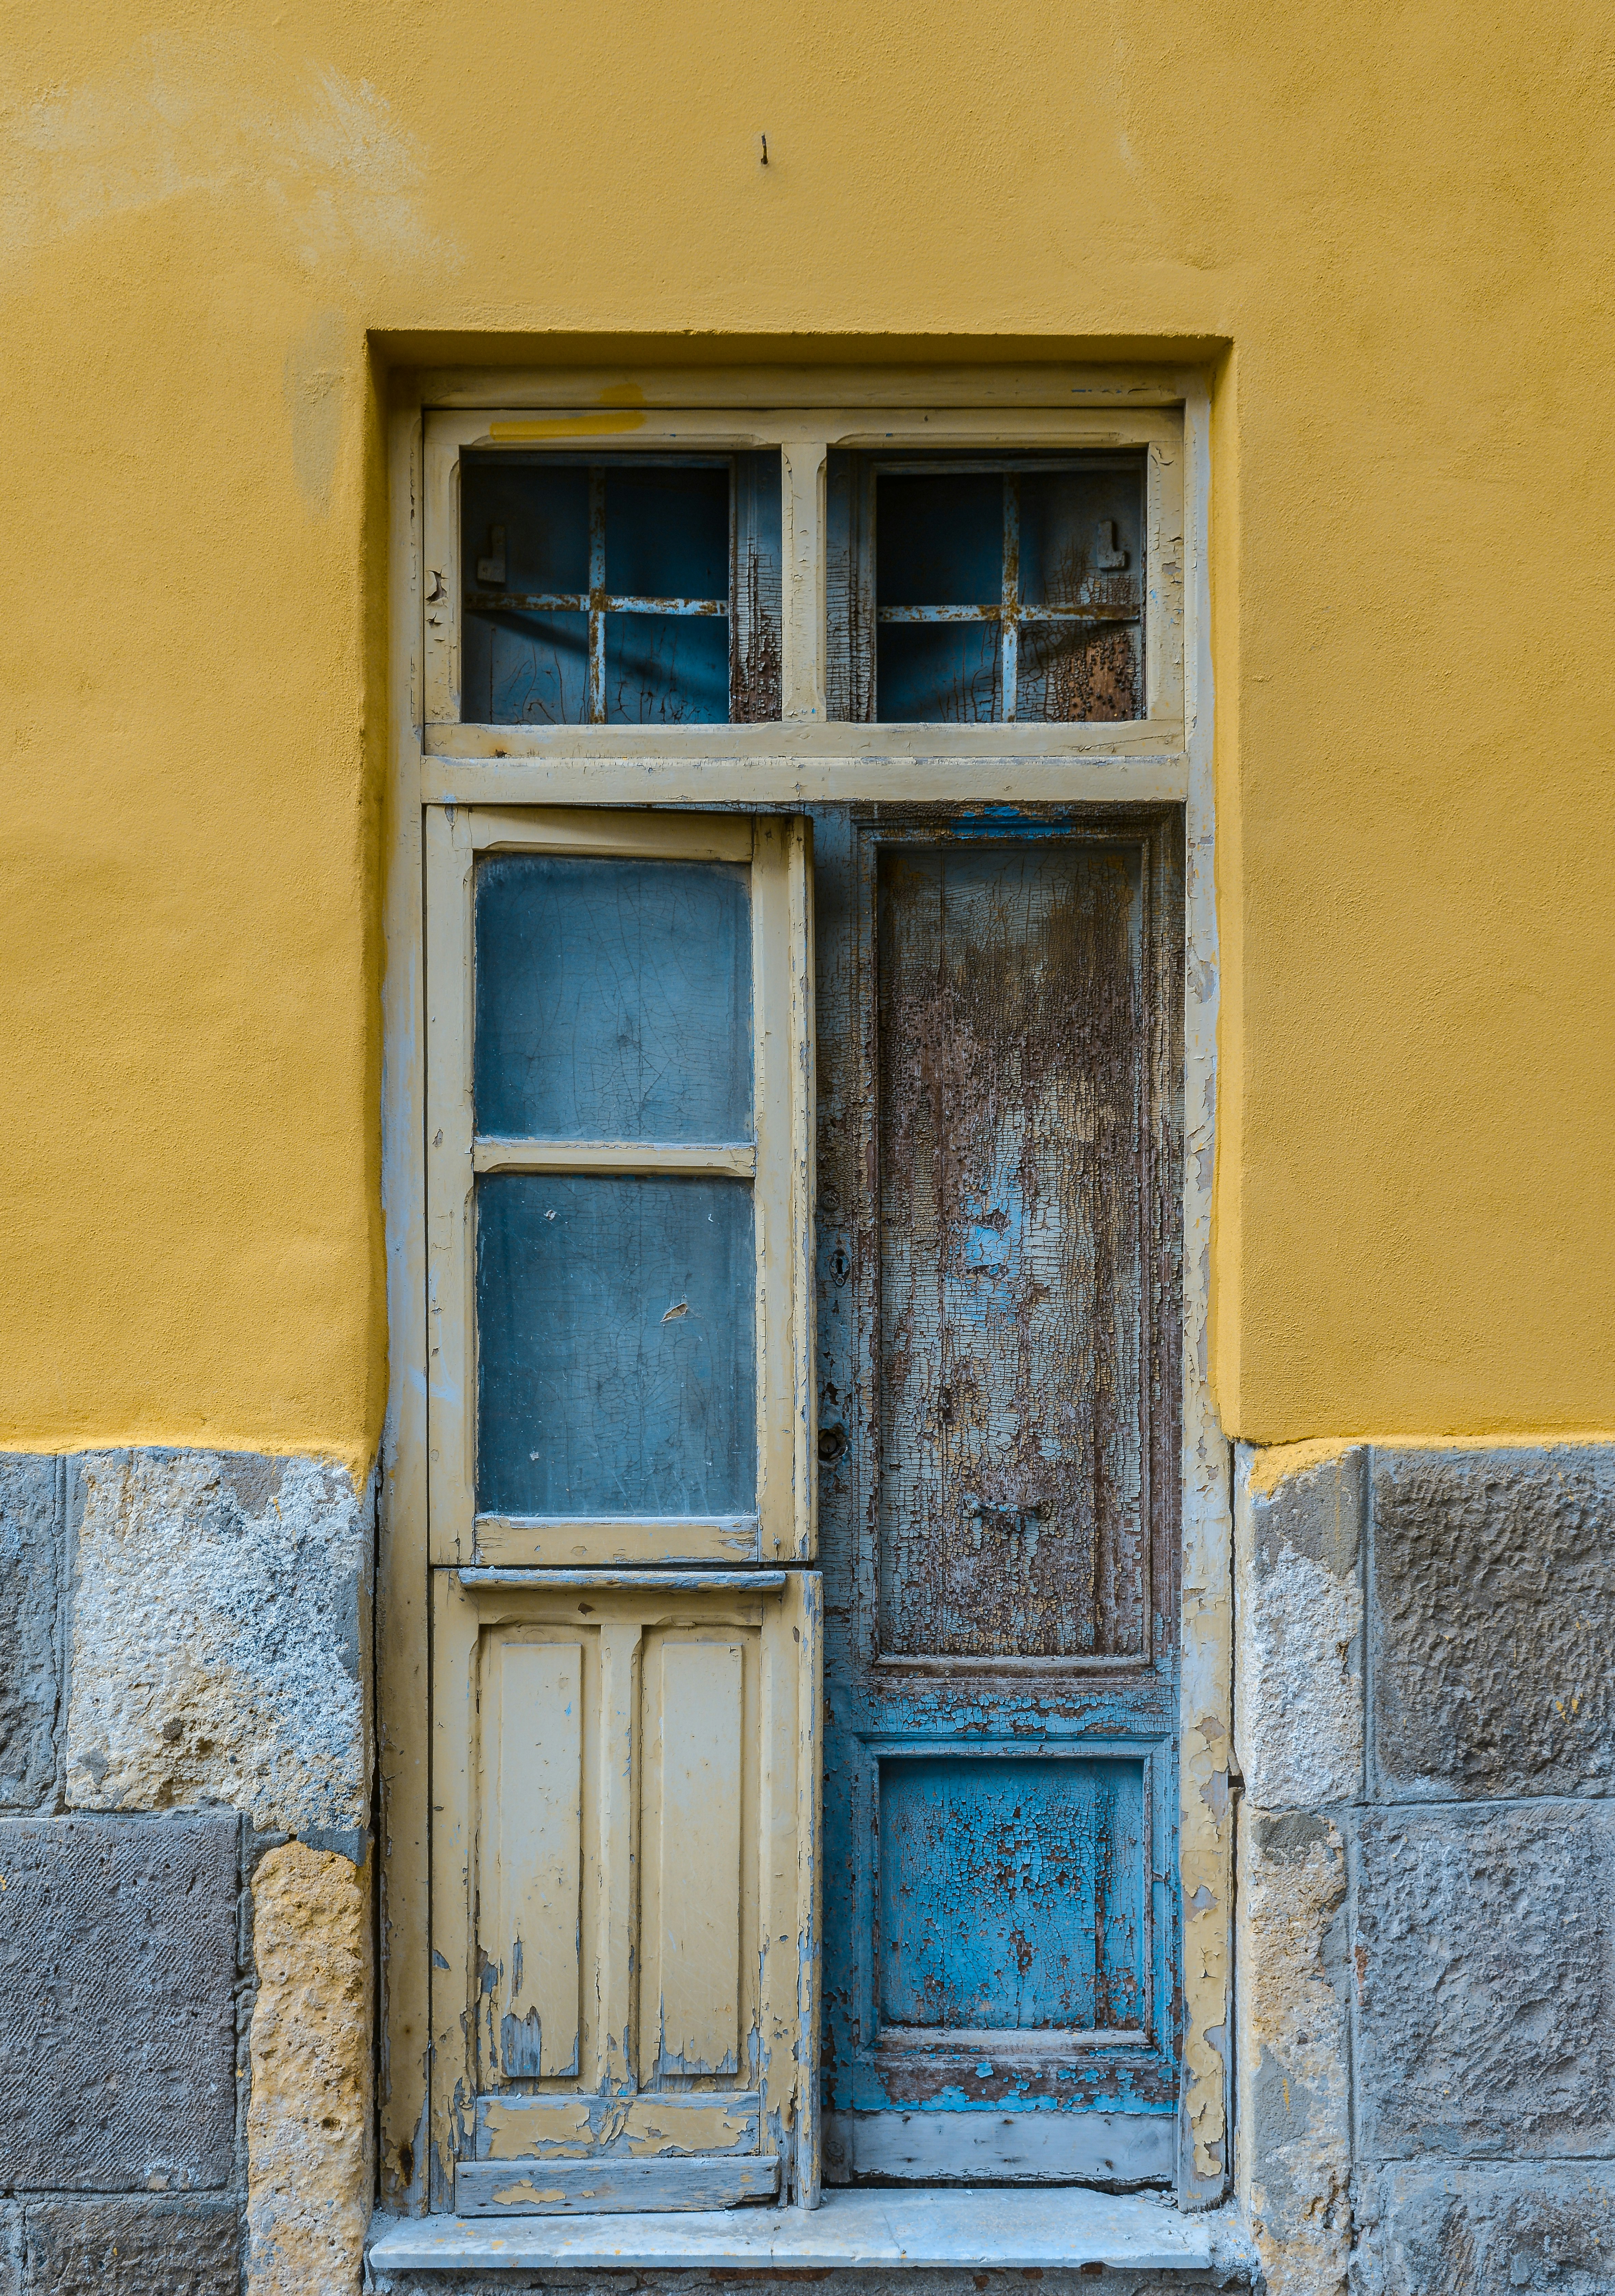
(1399, 220)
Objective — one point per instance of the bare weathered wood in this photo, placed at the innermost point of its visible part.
(658, 2126)
(1012, 1060)
(491, 2188)
(1001, 2148)
(573, 1541)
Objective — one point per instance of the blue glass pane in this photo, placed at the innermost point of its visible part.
(616, 1346)
(939, 542)
(667, 532)
(1011, 1892)
(613, 999)
(667, 669)
(937, 673)
(534, 515)
(1082, 537)
(525, 669)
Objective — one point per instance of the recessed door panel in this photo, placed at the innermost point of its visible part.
(1012, 1894)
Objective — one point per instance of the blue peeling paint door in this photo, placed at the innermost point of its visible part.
(999, 1335)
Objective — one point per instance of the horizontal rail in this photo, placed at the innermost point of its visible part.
(584, 601)
(738, 1162)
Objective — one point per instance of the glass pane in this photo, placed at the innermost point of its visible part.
(667, 669)
(1082, 544)
(525, 669)
(939, 541)
(1091, 672)
(524, 525)
(616, 1346)
(613, 999)
(938, 673)
(1081, 538)
(667, 532)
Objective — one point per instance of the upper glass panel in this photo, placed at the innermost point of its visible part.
(613, 999)
(634, 591)
(967, 590)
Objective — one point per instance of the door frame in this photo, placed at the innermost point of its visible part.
(781, 769)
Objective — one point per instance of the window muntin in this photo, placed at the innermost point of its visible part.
(967, 590)
(629, 590)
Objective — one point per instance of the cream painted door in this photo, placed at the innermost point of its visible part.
(626, 1656)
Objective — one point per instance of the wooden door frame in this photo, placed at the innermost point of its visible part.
(800, 761)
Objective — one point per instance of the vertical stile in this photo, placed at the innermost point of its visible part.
(450, 1184)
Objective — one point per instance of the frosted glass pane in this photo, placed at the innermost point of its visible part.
(613, 999)
(617, 1346)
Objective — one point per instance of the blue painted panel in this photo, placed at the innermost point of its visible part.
(1012, 1892)
(613, 999)
(616, 1322)
(1000, 1823)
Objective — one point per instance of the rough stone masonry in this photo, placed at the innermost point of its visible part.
(1426, 1938)
(185, 1979)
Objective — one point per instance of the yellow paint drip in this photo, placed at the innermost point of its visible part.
(564, 426)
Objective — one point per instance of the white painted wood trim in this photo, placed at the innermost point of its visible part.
(1206, 1805)
(651, 836)
(610, 1156)
(773, 782)
(802, 637)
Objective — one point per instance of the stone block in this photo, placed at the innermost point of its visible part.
(310, 2169)
(31, 1567)
(10, 2249)
(142, 2247)
(1488, 2232)
(1292, 2050)
(118, 1964)
(1483, 1946)
(1298, 1712)
(220, 1639)
(1493, 1618)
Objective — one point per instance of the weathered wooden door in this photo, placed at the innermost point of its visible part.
(999, 1183)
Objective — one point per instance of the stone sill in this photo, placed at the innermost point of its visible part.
(977, 2229)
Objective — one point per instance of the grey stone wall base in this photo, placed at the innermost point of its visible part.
(118, 1969)
(1494, 1609)
(31, 1534)
(1485, 1938)
(10, 2249)
(1486, 2230)
(144, 2246)
(219, 1628)
(1081, 2280)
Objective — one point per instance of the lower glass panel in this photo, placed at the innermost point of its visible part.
(617, 1349)
(667, 669)
(937, 673)
(525, 669)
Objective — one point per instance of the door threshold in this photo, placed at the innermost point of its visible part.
(974, 2229)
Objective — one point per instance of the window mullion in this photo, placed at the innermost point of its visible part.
(597, 604)
(1010, 603)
